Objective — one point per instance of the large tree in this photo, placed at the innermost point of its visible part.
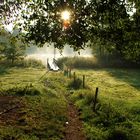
(11, 46)
(107, 20)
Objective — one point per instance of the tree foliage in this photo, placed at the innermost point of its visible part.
(106, 20)
(11, 46)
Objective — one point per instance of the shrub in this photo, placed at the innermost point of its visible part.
(118, 134)
(77, 62)
(75, 84)
(21, 91)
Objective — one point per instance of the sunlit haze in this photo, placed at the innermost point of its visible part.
(65, 15)
(45, 53)
(9, 27)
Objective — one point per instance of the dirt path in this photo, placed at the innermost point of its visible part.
(74, 125)
(10, 107)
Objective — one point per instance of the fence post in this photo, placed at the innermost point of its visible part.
(74, 77)
(95, 99)
(83, 81)
(69, 72)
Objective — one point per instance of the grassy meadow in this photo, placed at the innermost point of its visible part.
(117, 113)
(43, 112)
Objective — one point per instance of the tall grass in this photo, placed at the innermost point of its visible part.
(43, 113)
(23, 63)
(77, 62)
(117, 114)
(95, 62)
(33, 63)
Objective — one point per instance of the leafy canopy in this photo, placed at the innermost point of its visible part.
(107, 20)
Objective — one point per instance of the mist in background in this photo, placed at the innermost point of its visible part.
(48, 52)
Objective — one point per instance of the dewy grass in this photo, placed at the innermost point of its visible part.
(118, 113)
(43, 115)
(43, 111)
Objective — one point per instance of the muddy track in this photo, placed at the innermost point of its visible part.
(10, 107)
(74, 125)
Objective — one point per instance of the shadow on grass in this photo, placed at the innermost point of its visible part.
(131, 76)
(20, 91)
(3, 70)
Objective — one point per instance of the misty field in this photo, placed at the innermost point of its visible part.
(41, 111)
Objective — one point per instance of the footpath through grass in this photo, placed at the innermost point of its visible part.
(117, 113)
(41, 110)
(41, 113)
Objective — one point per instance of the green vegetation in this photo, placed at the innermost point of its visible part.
(43, 107)
(77, 62)
(42, 112)
(11, 46)
(24, 63)
(36, 106)
(103, 61)
(90, 22)
(117, 110)
(75, 84)
(12, 51)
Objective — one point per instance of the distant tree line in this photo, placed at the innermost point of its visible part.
(11, 46)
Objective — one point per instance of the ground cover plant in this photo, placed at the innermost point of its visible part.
(117, 111)
(33, 108)
(33, 103)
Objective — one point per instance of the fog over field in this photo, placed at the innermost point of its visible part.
(47, 52)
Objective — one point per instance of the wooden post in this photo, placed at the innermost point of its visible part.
(74, 77)
(67, 72)
(83, 81)
(70, 73)
(95, 99)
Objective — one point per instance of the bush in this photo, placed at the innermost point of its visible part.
(22, 91)
(118, 134)
(75, 84)
(77, 62)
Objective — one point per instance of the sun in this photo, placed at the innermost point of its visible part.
(65, 15)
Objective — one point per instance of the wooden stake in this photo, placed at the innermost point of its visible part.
(95, 99)
(70, 73)
(83, 81)
(74, 77)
